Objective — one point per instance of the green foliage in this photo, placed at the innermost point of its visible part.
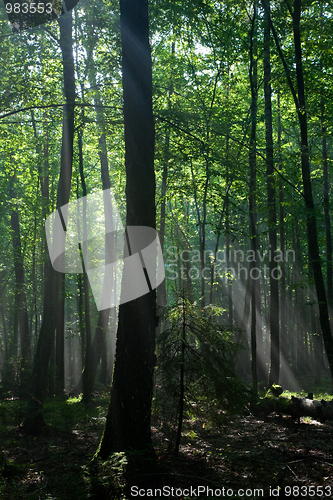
(276, 390)
(107, 475)
(209, 381)
(60, 414)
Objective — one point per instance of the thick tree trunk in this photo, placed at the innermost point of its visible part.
(128, 419)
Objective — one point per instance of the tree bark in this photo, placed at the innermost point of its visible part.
(87, 375)
(327, 213)
(128, 420)
(181, 383)
(227, 236)
(312, 233)
(283, 328)
(308, 197)
(20, 297)
(274, 288)
(98, 344)
(161, 289)
(252, 195)
(34, 421)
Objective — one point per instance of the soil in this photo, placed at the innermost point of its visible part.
(248, 458)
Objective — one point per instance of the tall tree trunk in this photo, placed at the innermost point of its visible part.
(20, 297)
(252, 196)
(327, 213)
(59, 386)
(242, 336)
(283, 332)
(161, 289)
(43, 182)
(128, 420)
(308, 197)
(274, 284)
(82, 329)
(5, 339)
(312, 233)
(87, 378)
(329, 271)
(181, 383)
(98, 345)
(227, 236)
(34, 421)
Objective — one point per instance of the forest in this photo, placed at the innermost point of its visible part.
(166, 269)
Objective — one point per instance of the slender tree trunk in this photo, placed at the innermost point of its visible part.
(60, 340)
(128, 420)
(161, 289)
(98, 345)
(181, 384)
(20, 297)
(318, 354)
(5, 338)
(312, 233)
(34, 313)
(274, 284)
(327, 214)
(308, 197)
(252, 196)
(87, 378)
(244, 322)
(227, 239)
(43, 182)
(104, 365)
(283, 333)
(34, 421)
(82, 329)
(329, 271)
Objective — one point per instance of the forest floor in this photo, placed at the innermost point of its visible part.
(250, 457)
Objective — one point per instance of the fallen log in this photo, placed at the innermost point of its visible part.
(295, 407)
